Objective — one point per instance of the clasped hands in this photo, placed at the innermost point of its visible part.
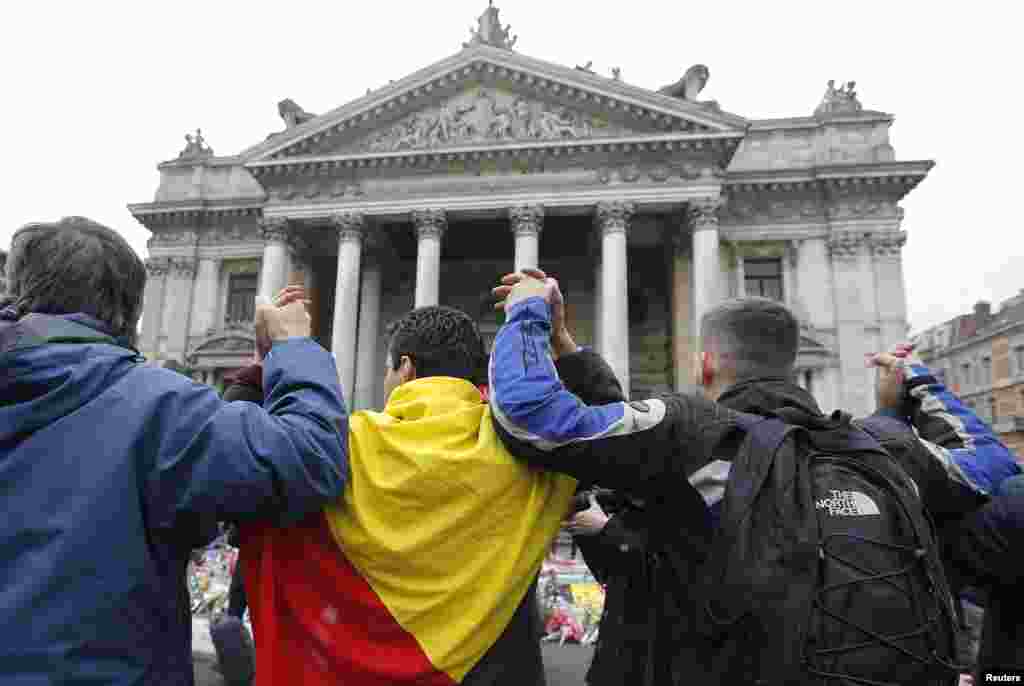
(287, 317)
(528, 283)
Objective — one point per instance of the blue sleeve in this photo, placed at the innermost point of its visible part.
(618, 444)
(529, 400)
(240, 461)
(966, 445)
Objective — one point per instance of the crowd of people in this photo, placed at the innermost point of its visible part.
(742, 535)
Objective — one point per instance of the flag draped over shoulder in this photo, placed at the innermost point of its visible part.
(415, 573)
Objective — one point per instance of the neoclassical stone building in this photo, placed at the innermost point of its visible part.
(650, 205)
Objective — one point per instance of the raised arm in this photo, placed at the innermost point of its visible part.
(622, 445)
(240, 461)
(965, 444)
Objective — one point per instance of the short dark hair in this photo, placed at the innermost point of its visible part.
(760, 335)
(77, 265)
(440, 341)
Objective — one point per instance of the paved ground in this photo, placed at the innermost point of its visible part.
(566, 665)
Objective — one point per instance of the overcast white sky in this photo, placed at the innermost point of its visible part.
(97, 93)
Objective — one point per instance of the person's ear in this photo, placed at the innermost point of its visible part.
(708, 369)
(406, 369)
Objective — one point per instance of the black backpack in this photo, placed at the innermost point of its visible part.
(825, 568)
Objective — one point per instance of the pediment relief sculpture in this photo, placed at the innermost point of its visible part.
(488, 116)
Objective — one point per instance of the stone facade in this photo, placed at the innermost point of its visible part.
(980, 357)
(650, 205)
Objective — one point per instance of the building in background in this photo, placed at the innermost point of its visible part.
(980, 357)
(3, 273)
(651, 205)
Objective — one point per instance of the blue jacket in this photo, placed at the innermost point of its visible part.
(112, 471)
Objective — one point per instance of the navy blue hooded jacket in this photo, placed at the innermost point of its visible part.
(111, 471)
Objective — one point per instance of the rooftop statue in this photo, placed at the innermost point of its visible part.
(842, 100)
(292, 114)
(195, 147)
(690, 86)
(490, 32)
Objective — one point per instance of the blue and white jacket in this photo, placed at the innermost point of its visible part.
(657, 443)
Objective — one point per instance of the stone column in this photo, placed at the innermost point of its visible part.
(741, 273)
(527, 222)
(612, 221)
(790, 259)
(430, 226)
(856, 320)
(178, 297)
(891, 299)
(205, 297)
(706, 264)
(276, 260)
(153, 304)
(346, 299)
(369, 364)
(683, 343)
(814, 283)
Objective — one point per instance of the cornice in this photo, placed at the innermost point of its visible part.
(400, 208)
(900, 176)
(723, 143)
(472, 62)
(213, 161)
(811, 122)
(180, 213)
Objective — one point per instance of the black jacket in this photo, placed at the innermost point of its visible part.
(985, 549)
(669, 449)
(641, 601)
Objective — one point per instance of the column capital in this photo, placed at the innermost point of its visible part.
(274, 229)
(526, 219)
(888, 244)
(183, 266)
(613, 217)
(349, 226)
(847, 245)
(703, 213)
(157, 266)
(430, 223)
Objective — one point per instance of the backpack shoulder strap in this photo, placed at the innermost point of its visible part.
(765, 435)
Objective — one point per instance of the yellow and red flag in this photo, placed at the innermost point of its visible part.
(415, 573)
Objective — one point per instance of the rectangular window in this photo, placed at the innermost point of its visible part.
(965, 374)
(1018, 354)
(986, 371)
(242, 290)
(763, 277)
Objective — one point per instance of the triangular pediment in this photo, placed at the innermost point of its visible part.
(481, 115)
(485, 96)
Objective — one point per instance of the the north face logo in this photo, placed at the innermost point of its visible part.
(847, 504)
